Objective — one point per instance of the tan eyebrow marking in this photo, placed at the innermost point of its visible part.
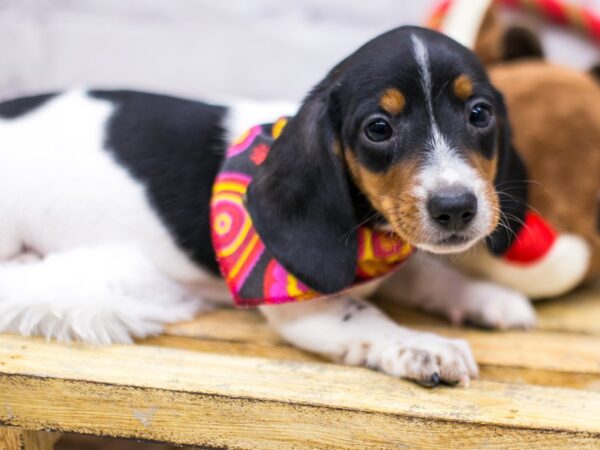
(463, 87)
(392, 101)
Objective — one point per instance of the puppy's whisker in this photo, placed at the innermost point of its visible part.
(517, 201)
(441, 91)
(376, 214)
(503, 221)
(516, 182)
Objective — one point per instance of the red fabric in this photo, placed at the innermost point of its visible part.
(533, 241)
(435, 20)
(592, 21)
(554, 11)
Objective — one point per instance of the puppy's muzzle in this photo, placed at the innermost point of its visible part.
(452, 210)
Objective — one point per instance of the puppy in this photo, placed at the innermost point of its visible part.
(104, 200)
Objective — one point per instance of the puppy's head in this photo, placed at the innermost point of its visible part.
(410, 126)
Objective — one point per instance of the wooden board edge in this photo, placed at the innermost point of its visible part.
(184, 418)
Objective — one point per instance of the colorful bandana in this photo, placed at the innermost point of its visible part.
(253, 275)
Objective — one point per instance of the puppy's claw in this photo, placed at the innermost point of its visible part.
(428, 359)
(431, 382)
(464, 381)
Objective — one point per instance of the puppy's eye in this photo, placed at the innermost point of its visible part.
(378, 130)
(480, 115)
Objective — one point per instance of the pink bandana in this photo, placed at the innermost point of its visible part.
(253, 275)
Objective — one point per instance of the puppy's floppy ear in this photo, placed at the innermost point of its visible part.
(519, 43)
(300, 201)
(511, 185)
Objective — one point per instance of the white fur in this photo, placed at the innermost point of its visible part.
(445, 169)
(430, 284)
(97, 295)
(111, 269)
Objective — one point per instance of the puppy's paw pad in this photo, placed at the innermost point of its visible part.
(427, 359)
(493, 306)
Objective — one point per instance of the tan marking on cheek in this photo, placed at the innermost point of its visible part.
(392, 101)
(363, 180)
(391, 193)
(463, 87)
(487, 168)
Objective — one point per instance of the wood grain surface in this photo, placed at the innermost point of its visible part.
(226, 380)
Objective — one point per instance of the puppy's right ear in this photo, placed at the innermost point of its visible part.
(300, 201)
(511, 185)
(521, 43)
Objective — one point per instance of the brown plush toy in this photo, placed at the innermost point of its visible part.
(555, 114)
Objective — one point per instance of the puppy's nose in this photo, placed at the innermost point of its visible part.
(454, 209)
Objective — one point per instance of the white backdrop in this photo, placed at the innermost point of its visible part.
(199, 48)
(253, 48)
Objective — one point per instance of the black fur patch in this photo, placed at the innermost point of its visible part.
(175, 147)
(595, 71)
(15, 108)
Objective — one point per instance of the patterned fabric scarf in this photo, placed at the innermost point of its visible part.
(252, 273)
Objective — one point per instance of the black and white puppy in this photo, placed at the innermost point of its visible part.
(104, 205)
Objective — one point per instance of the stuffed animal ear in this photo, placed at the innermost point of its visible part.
(511, 185)
(521, 43)
(300, 201)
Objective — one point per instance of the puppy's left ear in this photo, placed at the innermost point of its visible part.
(300, 201)
(511, 185)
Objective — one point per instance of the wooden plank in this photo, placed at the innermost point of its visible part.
(39, 440)
(537, 350)
(533, 350)
(228, 324)
(196, 398)
(232, 348)
(10, 438)
(18, 439)
(505, 374)
(589, 382)
(578, 312)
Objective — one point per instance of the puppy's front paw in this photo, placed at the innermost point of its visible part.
(423, 357)
(492, 306)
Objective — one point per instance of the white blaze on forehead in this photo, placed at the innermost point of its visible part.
(422, 57)
(444, 166)
(437, 142)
